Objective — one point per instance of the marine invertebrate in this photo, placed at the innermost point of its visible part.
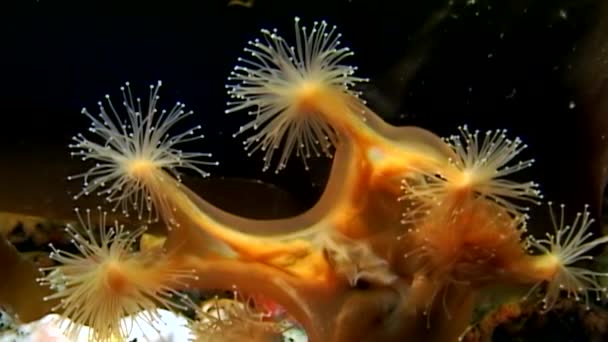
(139, 157)
(354, 259)
(351, 267)
(107, 280)
(563, 251)
(470, 245)
(478, 168)
(129, 151)
(282, 83)
(235, 319)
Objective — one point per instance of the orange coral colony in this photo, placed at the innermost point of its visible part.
(410, 228)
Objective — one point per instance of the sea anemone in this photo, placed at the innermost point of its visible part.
(282, 83)
(479, 168)
(106, 280)
(569, 245)
(232, 320)
(132, 148)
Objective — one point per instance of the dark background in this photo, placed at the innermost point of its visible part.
(523, 65)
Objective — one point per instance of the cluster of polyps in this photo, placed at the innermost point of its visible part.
(409, 229)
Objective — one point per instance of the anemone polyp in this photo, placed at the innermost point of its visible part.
(128, 150)
(106, 280)
(280, 83)
(483, 164)
(569, 245)
(479, 168)
(237, 319)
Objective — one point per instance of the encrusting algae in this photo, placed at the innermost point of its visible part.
(408, 232)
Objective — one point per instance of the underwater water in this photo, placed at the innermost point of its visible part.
(336, 247)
